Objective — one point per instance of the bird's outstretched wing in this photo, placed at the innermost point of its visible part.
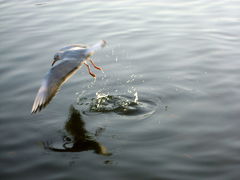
(96, 47)
(56, 76)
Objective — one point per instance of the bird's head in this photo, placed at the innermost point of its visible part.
(56, 57)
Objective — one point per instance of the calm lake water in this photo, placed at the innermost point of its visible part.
(166, 106)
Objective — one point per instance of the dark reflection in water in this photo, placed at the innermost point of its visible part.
(79, 139)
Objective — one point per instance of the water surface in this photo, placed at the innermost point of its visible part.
(166, 106)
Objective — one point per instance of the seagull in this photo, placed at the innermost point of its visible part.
(65, 63)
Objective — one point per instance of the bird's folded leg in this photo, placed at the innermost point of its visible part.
(94, 65)
(89, 71)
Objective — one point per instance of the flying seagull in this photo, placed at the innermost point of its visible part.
(70, 59)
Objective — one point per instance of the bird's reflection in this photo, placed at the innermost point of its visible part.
(79, 139)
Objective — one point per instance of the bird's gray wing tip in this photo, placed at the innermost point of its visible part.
(96, 47)
(37, 105)
(104, 43)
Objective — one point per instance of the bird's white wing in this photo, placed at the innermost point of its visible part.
(56, 76)
(91, 49)
(74, 45)
(96, 47)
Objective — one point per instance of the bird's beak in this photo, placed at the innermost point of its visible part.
(54, 61)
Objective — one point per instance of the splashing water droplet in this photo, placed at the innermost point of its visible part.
(136, 97)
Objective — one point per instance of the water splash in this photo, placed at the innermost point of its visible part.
(110, 103)
(136, 97)
(126, 106)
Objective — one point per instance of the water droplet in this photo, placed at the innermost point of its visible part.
(136, 97)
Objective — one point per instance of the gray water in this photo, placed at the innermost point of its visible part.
(166, 106)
